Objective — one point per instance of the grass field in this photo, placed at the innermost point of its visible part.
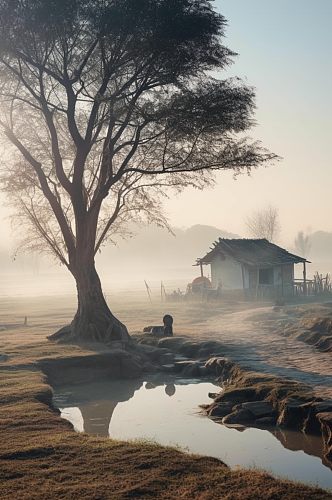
(42, 457)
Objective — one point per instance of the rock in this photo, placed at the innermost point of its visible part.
(214, 365)
(187, 368)
(130, 368)
(166, 358)
(174, 343)
(168, 368)
(294, 414)
(146, 348)
(156, 354)
(238, 395)
(266, 421)
(206, 350)
(150, 368)
(259, 409)
(191, 370)
(221, 367)
(204, 353)
(220, 409)
(323, 406)
(240, 416)
(161, 355)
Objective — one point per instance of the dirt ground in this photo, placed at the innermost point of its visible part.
(38, 447)
(255, 335)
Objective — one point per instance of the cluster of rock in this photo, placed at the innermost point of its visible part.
(253, 400)
(247, 399)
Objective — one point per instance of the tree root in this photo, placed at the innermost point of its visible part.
(91, 332)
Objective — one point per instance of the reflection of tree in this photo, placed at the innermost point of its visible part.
(98, 401)
(97, 417)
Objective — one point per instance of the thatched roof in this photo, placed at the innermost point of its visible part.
(251, 252)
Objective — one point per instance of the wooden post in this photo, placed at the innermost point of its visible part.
(243, 282)
(304, 279)
(257, 283)
(201, 266)
(148, 290)
(282, 282)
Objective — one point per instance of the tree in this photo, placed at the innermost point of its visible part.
(108, 104)
(302, 244)
(264, 223)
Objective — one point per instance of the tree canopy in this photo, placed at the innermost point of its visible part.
(113, 100)
(107, 105)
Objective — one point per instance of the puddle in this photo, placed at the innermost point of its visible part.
(166, 411)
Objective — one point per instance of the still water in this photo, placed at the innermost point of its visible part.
(167, 411)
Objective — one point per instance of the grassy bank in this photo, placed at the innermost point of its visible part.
(42, 457)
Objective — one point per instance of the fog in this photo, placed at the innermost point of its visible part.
(284, 52)
(153, 256)
(291, 74)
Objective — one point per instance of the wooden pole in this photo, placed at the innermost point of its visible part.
(243, 282)
(304, 279)
(257, 283)
(148, 290)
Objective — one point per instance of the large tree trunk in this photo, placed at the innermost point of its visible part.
(93, 320)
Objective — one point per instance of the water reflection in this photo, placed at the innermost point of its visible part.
(97, 401)
(297, 441)
(166, 410)
(170, 389)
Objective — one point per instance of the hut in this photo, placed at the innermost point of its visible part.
(254, 267)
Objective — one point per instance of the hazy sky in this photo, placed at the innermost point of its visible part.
(284, 49)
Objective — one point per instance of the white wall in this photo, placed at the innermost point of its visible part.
(229, 272)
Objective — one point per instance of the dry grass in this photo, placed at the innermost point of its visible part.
(42, 457)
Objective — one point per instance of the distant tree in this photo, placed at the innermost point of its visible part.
(264, 223)
(302, 244)
(109, 104)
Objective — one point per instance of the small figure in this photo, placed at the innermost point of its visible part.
(168, 325)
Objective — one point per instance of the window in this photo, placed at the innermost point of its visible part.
(266, 276)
